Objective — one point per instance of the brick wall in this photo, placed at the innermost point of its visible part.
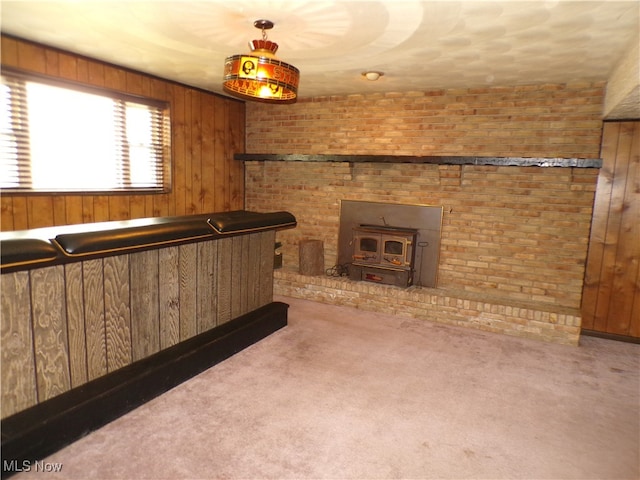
(531, 121)
(515, 233)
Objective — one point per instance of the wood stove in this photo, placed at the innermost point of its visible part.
(383, 254)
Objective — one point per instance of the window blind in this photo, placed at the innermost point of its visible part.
(56, 138)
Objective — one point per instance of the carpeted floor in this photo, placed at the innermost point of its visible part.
(346, 394)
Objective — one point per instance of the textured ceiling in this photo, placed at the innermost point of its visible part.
(419, 45)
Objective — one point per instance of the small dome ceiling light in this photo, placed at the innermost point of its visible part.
(259, 75)
(372, 76)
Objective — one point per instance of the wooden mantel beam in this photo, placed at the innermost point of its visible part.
(433, 160)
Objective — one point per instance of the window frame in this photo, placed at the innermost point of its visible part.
(117, 95)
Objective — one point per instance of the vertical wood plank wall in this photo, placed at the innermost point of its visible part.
(611, 294)
(207, 130)
(65, 325)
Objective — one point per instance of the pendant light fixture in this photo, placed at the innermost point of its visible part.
(259, 75)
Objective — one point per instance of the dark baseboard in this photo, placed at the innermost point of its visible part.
(39, 431)
(610, 336)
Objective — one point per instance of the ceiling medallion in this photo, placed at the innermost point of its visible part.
(259, 75)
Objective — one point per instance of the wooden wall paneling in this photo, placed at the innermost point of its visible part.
(73, 206)
(96, 71)
(224, 273)
(20, 212)
(145, 85)
(59, 210)
(67, 66)
(599, 222)
(9, 51)
(632, 243)
(133, 83)
(116, 79)
(18, 375)
(40, 211)
(50, 331)
(145, 303)
(169, 295)
(627, 256)
(101, 208)
(179, 147)
(236, 122)
(221, 185)
(159, 89)
(190, 206)
(32, 57)
(611, 285)
(117, 303)
(267, 243)
(188, 271)
(208, 154)
(93, 292)
(634, 328)
(138, 208)
(6, 213)
(87, 209)
(119, 207)
(82, 70)
(195, 158)
(52, 62)
(206, 285)
(612, 237)
(74, 298)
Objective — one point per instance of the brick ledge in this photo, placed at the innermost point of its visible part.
(539, 321)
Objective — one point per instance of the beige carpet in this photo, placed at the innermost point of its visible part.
(345, 394)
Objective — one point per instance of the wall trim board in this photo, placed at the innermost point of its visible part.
(41, 430)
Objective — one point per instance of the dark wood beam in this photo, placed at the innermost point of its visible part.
(432, 160)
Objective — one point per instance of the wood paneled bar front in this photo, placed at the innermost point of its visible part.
(99, 318)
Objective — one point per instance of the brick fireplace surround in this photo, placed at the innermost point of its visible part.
(514, 238)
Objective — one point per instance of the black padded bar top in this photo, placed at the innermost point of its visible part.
(132, 238)
(15, 252)
(241, 221)
(54, 245)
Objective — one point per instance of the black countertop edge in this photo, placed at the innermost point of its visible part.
(433, 160)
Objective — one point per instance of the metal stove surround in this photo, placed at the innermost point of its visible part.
(377, 221)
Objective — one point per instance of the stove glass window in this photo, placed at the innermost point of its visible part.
(368, 244)
(393, 247)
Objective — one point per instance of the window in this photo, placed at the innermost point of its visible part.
(64, 138)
